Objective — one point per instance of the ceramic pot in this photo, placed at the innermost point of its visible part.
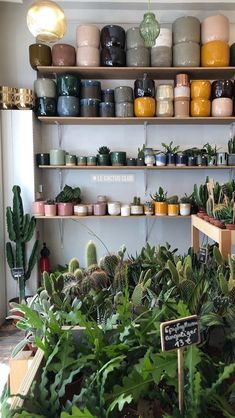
(186, 29)
(160, 208)
(113, 35)
(185, 209)
(68, 106)
(45, 87)
(38, 208)
(149, 160)
(100, 209)
(43, 159)
(186, 54)
(215, 54)
(39, 55)
(106, 110)
(70, 160)
(200, 89)
(181, 160)
(201, 160)
(50, 210)
(114, 208)
(118, 158)
(160, 159)
(82, 161)
(144, 107)
(231, 159)
(164, 108)
(134, 38)
(88, 56)
(211, 160)
(101, 198)
(170, 159)
(131, 162)
(45, 106)
(91, 89)
(165, 92)
(222, 158)
(182, 80)
(191, 161)
(222, 88)
(103, 159)
(164, 38)
(80, 210)
(7, 97)
(89, 108)
(88, 35)
(173, 210)
(24, 99)
(125, 210)
(200, 107)
(68, 85)
(232, 55)
(137, 209)
(123, 94)
(161, 56)
(140, 162)
(138, 57)
(91, 160)
(181, 108)
(107, 95)
(57, 157)
(215, 28)
(222, 107)
(149, 208)
(124, 110)
(89, 209)
(144, 87)
(112, 57)
(63, 55)
(182, 92)
(65, 209)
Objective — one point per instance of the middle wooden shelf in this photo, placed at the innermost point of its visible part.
(139, 168)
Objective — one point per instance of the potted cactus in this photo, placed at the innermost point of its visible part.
(173, 206)
(160, 202)
(50, 207)
(185, 205)
(103, 156)
(231, 151)
(20, 228)
(148, 207)
(66, 200)
(137, 207)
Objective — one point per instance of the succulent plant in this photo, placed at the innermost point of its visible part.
(141, 151)
(136, 201)
(173, 200)
(91, 255)
(159, 196)
(54, 287)
(103, 150)
(73, 265)
(99, 280)
(169, 148)
(139, 290)
(231, 145)
(186, 199)
(50, 202)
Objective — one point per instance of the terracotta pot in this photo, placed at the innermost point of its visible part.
(219, 224)
(160, 208)
(231, 227)
(173, 210)
(65, 209)
(206, 218)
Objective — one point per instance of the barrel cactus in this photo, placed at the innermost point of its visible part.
(21, 228)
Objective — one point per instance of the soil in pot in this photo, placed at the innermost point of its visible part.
(219, 224)
(231, 227)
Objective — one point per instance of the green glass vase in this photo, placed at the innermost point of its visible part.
(149, 29)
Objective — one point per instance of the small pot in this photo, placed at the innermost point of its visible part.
(101, 198)
(140, 161)
(92, 160)
(201, 160)
(89, 108)
(160, 208)
(88, 56)
(82, 161)
(149, 208)
(45, 87)
(103, 159)
(191, 161)
(124, 110)
(68, 106)
(181, 160)
(125, 210)
(185, 209)
(113, 35)
(173, 210)
(89, 209)
(50, 210)
(160, 159)
(65, 209)
(106, 110)
(100, 209)
(43, 159)
(63, 55)
(118, 158)
(88, 35)
(39, 54)
(45, 106)
(107, 96)
(222, 158)
(231, 159)
(149, 160)
(38, 208)
(137, 210)
(57, 157)
(114, 208)
(91, 89)
(80, 210)
(70, 160)
(131, 162)
(211, 160)
(123, 94)
(112, 57)
(171, 159)
(68, 85)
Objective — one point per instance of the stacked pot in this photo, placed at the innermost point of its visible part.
(123, 102)
(161, 52)
(137, 55)
(186, 41)
(215, 37)
(200, 95)
(112, 40)
(88, 43)
(68, 92)
(45, 92)
(164, 97)
(63, 55)
(144, 93)
(90, 98)
(107, 106)
(182, 96)
(222, 98)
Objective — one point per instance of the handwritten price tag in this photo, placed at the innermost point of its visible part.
(179, 333)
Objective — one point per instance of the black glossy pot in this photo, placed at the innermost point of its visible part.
(201, 160)
(221, 88)
(112, 57)
(45, 106)
(144, 88)
(191, 161)
(113, 35)
(131, 162)
(43, 159)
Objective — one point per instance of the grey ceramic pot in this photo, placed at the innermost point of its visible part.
(186, 54)
(134, 38)
(138, 57)
(68, 106)
(123, 94)
(161, 56)
(124, 110)
(186, 29)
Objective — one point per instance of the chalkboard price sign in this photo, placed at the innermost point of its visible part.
(179, 333)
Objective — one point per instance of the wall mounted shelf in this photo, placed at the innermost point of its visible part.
(74, 217)
(138, 168)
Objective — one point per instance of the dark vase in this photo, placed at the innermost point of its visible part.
(103, 159)
(140, 161)
(107, 96)
(112, 57)
(118, 158)
(43, 159)
(191, 161)
(221, 88)
(68, 85)
(131, 162)
(45, 106)
(113, 35)
(106, 110)
(171, 158)
(201, 160)
(181, 160)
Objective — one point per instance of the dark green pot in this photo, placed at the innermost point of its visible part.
(118, 158)
(68, 85)
(103, 159)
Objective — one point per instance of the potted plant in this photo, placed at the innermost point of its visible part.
(185, 205)
(228, 215)
(20, 228)
(91, 160)
(160, 203)
(160, 158)
(211, 153)
(50, 208)
(66, 200)
(140, 158)
(148, 207)
(137, 207)
(170, 152)
(191, 154)
(201, 159)
(173, 206)
(231, 151)
(103, 156)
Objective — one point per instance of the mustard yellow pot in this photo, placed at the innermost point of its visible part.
(200, 108)
(173, 210)
(200, 89)
(215, 54)
(144, 107)
(160, 208)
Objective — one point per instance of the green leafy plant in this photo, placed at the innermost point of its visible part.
(141, 151)
(231, 145)
(169, 149)
(69, 194)
(103, 150)
(186, 199)
(50, 202)
(159, 196)
(211, 151)
(20, 228)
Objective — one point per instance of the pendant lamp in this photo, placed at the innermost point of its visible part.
(149, 28)
(46, 21)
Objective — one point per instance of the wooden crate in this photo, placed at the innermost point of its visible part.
(19, 366)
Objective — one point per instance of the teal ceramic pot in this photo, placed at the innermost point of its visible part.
(118, 158)
(45, 106)
(103, 159)
(70, 159)
(68, 106)
(68, 85)
(92, 160)
(81, 161)
(57, 157)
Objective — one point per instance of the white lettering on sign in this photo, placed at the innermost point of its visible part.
(179, 333)
(119, 178)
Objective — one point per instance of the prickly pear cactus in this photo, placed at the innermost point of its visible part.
(140, 289)
(91, 254)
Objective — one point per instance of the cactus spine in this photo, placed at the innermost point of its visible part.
(91, 255)
(20, 229)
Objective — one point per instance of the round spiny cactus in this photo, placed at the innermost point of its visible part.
(78, 274)
(109, 264)
(99, 280)
(72, 288)
(85, 285)
(68, 277)
(92, 268)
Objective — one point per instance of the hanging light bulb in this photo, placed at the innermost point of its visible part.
(46, 21)
(149, 28)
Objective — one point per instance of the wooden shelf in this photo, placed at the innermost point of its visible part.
(138, 168)
(56, 120)
(131, 73)
(74, 217)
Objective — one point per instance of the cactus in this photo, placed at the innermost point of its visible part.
(99, 280)
(54, 287)
(218, 256)
(78, 274)
(86, 285)
(139, 290)
(223, 284)
(73, 265)
(210, 207)
(109, 264)
(120, 275)
(20, 229)
(231, 145)
(72, 288)
(91, 256)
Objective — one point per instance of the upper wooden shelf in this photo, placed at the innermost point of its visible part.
(126, 167)
(56, 120)
(131, 73)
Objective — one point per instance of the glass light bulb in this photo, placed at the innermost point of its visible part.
(46, 21)
(149, 29)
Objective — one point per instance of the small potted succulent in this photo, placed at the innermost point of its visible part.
(181, 159)
(211, 154)
(148, 207)
(173, 206)
(185, 205)
(66, 200)
(191, 154)
(170, 152)
(201, 159)
(231, 151)
(140, 158)
(160, 202)
(228, 215)
(103, 156)
(50, 208)
(137, 207)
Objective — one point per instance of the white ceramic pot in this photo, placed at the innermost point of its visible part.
(165, 108)
(149, 160)
(185, 209)
(137, 210)
(88, 35)
(80, 210)
(114, 208)
(215, 28)
(182, 92)
(165, 92)
(88, 56)
(164, 38)
(125, 210)
(101, 198)
(222, 107)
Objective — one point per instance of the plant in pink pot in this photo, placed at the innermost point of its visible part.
(50, 208)
(66, 200)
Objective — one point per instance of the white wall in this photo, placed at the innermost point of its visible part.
(16, 71)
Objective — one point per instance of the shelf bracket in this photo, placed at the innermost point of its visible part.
(61, 232)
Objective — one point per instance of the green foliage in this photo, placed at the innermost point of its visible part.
(169, 148)
(173, 200)
(159, 196)
(77, 413)
(91, 254)
(73, 265)
(231, 145)
(69, 194)
(103, 150)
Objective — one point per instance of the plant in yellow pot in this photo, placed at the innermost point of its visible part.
(173, 206)
(160, 203)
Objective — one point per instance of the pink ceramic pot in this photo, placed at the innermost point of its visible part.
(88, 35)
(222, 107)
(50, 210)
(38, 208)
(63, 55)
(88, 56)
(65, 209)
(215, 28)
(100, 209)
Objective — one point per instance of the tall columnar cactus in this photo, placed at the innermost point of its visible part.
(91, 256)
(20, 229)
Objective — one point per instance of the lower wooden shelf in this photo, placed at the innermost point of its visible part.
(74, 217)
